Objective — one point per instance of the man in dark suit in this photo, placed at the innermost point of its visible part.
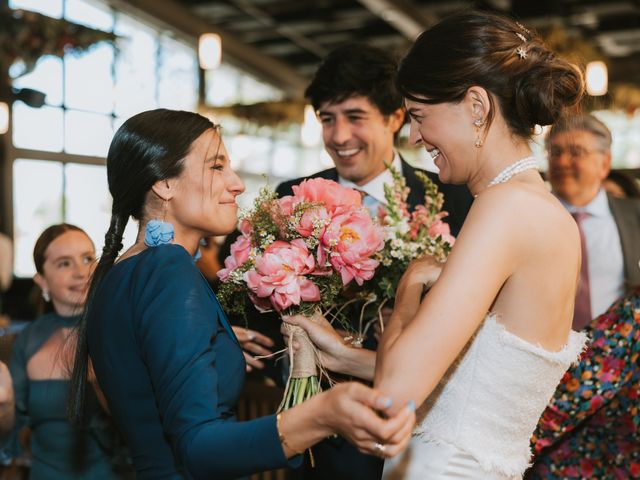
(579, 152)
(361, 112)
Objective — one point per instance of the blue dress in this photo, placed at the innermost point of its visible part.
(172, 370)
(58, 451)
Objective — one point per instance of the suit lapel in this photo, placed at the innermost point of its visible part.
(626, 215)
(330, 174)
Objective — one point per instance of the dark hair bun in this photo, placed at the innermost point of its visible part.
(530, 84)
(546, 89)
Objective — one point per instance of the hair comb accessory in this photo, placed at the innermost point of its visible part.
(521, 51)
(523, 28)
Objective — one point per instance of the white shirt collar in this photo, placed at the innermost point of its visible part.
(375, 188)
(598, 207)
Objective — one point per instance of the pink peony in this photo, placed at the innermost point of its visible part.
(279, 275)
(310, 219)
(240, 249)
(327, 192)
(287, 204)
(350, 240)
(239, 255)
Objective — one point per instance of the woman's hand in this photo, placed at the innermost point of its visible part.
(352, 410)
(253, 342)
(359, 414)
(331, 346)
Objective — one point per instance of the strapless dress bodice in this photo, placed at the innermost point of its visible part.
(490, 400)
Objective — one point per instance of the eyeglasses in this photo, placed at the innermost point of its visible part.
(576, 152)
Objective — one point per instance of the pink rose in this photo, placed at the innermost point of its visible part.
(240, 250)
(327, 192)
(350, 240)
(279, 275)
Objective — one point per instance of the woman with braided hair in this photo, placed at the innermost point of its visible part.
(164, 354)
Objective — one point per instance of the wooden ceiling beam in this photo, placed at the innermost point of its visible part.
(403, 15)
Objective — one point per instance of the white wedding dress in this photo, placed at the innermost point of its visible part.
(478, 421)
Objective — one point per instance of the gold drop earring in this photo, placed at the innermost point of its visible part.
(478, 124)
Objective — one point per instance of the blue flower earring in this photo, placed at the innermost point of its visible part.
(159, 232)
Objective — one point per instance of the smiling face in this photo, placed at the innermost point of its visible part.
(69, 260)
(578, 164)
(446, 132)
(203, 197)
(358, 137)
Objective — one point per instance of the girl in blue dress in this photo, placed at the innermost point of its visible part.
(63, 257)
(164, 355)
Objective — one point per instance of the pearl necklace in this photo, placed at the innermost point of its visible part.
(515, 168)
(512, 170)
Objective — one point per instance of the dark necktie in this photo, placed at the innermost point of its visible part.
(582, 311)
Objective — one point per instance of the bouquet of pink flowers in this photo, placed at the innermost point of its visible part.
(296, 255)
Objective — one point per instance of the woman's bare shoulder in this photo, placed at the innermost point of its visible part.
(524, 211)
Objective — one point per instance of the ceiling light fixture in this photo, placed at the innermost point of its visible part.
(209, 51)
(597, 78)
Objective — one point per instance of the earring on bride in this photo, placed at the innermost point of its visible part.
(478, 124)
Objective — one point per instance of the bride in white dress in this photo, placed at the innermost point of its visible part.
(486, 348)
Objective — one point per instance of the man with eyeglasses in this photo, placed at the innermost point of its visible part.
(591, 428)
(579, 153)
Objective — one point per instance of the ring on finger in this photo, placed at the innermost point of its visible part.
(379, 448)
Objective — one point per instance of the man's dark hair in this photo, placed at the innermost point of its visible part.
(357, 69)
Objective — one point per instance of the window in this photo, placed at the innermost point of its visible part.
(63, 145)
(58, 166)
(37, 203)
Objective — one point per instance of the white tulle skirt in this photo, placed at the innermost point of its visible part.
(434, 461)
